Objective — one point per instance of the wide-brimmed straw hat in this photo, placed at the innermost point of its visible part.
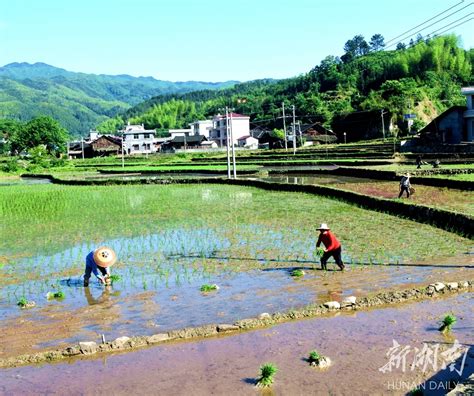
(104, 256)
(323, 226)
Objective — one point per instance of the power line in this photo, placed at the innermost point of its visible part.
(434, 23)
(459, 24)
(428, 20)
(446, 26)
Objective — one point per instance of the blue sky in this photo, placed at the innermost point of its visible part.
(205, 40)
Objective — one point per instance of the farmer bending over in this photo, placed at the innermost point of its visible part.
(99, 260)
(333, 247)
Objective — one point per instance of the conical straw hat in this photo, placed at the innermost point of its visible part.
(104, 256)
(323, 226)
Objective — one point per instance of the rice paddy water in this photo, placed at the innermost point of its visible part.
(172, 239)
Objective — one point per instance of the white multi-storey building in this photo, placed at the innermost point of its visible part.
(202, 127)
(239, 123)
(138, 140)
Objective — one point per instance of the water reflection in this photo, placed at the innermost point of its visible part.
(104, 297)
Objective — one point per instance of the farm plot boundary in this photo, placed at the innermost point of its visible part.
(388, 175)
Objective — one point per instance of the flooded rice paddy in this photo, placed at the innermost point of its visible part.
(172, 239)
(358, 343)
(445, 198)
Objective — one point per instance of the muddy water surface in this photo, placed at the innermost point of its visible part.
(87, 313)
(171, 240)
(357, 343)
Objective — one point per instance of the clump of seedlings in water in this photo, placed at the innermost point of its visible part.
(208, 288)
(297, 273)
(59, 294)
(318, 360)
(24, 303)
(114, 278)
(447, 323)
(267, 372)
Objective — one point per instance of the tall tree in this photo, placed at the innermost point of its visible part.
(357, 46)
(401, 46)
(41, 130)
(377, 42)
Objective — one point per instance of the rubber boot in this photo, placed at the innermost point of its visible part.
(86, 282)
(342, 267)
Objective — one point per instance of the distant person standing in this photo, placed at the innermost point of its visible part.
(332, 245)
(405, 185)
(418, 162)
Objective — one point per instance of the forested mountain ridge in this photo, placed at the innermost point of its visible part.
(79, 101)
(424, 79)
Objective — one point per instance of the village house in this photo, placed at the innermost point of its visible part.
(96, 145)
(138, 140)
(455, 125)
(179, 132)
(202, 127)
(452, 130)
(185, 142)
(239, 123)
(316, 133)
(248, 142)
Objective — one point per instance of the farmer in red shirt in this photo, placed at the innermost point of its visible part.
(333, 246)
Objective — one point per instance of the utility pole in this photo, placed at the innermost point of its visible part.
(300, 133)
(294, 131)
(284, 124)
(82, 146)
(123, 155)
(232, 145)
(383, 124)
(227, 139)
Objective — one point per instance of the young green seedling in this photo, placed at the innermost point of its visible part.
(114, 278)
(267, 372)
(58, 294)
(319, 251)
(297, 273)
(24, 303)
(208, 288)
(314, 357)
(318, 360)
(447, 323)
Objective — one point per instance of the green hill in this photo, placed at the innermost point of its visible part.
(79, 101)
(424, 79)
